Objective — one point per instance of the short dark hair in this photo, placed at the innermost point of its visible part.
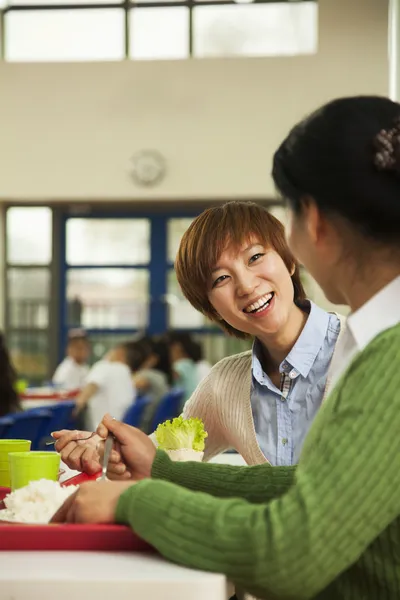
(330, 157)
(207, 237)
(137, 351)
(191, 348)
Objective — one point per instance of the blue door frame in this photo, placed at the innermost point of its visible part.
(158, 268)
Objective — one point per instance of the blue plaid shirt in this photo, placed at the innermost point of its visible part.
(282, 416)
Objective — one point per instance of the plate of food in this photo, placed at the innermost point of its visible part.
(26, 512)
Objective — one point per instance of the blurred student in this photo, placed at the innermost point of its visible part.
(203, 367)
(72, 372)
(149, 380)
(161, 350)
(184, 371)
(109, 388)
(9, 399)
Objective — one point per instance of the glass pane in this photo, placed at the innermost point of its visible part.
(218, 345)
(176, 229)
(29, 353)
(146, 1)
(159, 33)
(46, 2)
(65, 35)
(123, 241)
(28, 297)
(108, 298)
(29, 232)
(272, 29)
(181, 313)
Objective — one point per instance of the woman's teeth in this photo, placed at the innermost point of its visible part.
(260, 304)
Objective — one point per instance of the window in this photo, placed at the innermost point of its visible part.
(64, 35)
(98, 30)
(123, 242)
(175, 230)
(181, 314)
(276, 29)
(29, 235)
(29, 294)
(159, 33)
(28, 289)
(107, 298)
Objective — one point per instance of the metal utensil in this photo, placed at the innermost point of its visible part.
(77, 440)
(107, 452)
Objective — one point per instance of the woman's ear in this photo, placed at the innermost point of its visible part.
(313, 220)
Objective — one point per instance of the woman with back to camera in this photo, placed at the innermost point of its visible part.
(234, 265)
(9, 399)
(329, 528)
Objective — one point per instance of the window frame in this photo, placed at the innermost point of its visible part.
(127, 7)
(158, 266)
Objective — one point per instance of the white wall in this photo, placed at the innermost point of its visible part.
(68, 130)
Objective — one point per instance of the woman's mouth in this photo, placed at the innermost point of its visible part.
(261, 306)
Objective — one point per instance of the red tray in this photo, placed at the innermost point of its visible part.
(16, 536)
(50, 395)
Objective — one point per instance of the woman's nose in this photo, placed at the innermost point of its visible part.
(245, 286)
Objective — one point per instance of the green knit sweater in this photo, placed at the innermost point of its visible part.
(327, 529)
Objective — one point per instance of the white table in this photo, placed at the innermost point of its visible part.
(43, 397)
(103, 576)
(37, 403)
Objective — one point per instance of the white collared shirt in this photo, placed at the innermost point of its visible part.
(70, 375)
(381, 312)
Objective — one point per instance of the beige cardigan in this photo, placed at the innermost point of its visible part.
(222, 401)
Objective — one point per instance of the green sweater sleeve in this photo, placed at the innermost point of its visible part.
(254, 484)
(345, 494)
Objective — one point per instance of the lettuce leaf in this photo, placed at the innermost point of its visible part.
(181, 433)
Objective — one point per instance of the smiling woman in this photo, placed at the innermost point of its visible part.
(235, 267)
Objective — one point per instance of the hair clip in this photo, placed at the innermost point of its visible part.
(387, 144)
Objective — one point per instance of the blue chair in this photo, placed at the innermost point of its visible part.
(61, 419)
(169, 408)
(5, 423)
(28, 425)
(134, 414)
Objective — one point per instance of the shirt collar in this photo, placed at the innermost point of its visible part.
(381, 312)
(303, 354)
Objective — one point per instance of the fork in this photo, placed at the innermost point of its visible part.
(107, 452)
(77, 440)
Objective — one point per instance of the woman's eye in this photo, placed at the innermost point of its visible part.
(256, 257)
(219, 280)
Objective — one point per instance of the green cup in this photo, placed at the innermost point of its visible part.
(5, 478)
(31, 466)
(7, 446)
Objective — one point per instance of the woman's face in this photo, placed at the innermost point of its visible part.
(314, 242)
(176, 352)
(251, 289)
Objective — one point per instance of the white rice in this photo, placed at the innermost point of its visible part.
(35, 503)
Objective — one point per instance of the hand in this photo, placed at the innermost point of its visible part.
(79, 454)
(94, 502)
(133, 454)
